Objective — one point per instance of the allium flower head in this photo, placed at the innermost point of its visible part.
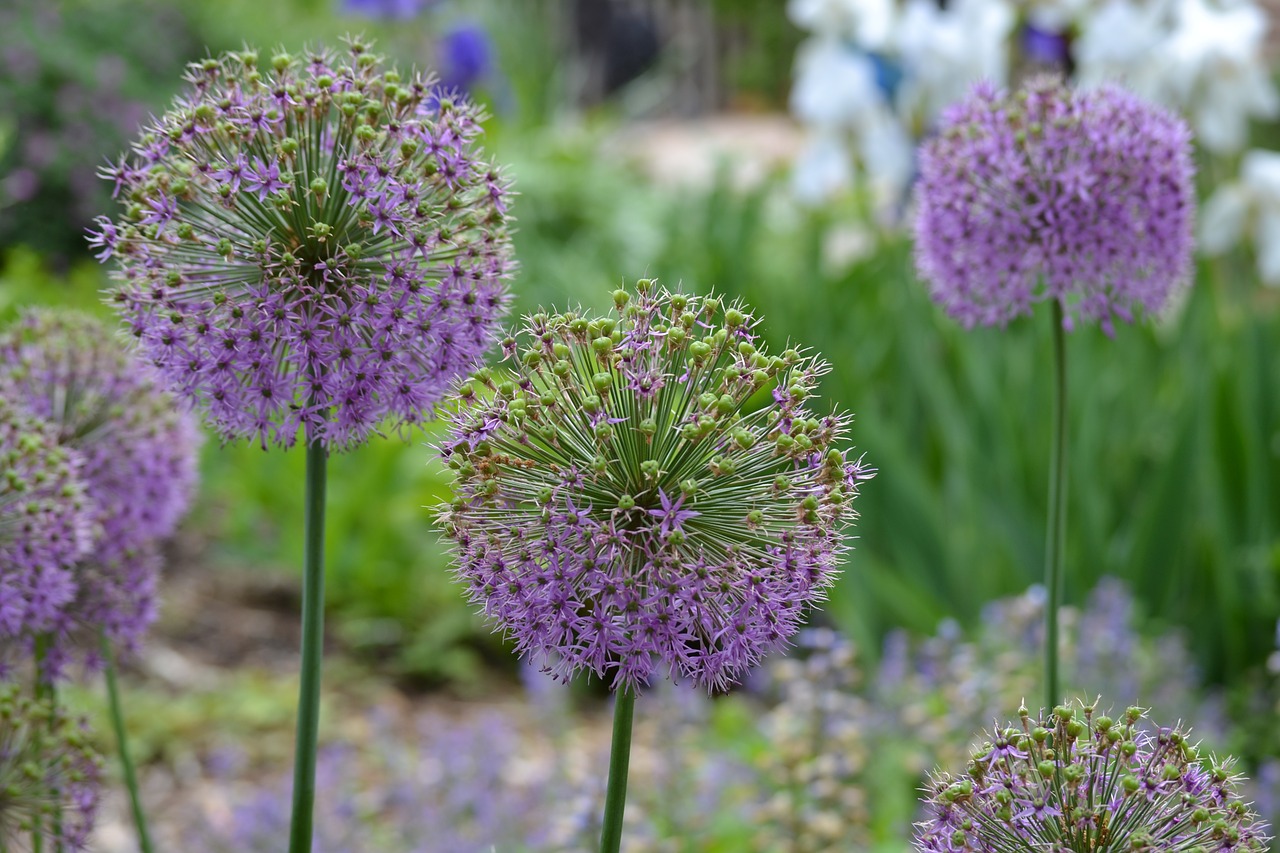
(48, 774)
(1076, 781)
(648, 489)
(139, 451)
(310, 241)
(46, 523)
(138, 444)
(1053, 193)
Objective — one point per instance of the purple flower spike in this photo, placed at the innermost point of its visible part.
(46, 525)
(625, 504)
(1050, 193)
(139, 450)
(311, 242)
(49, 769)
(1076, 781)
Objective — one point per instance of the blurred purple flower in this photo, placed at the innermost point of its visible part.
(20, 185)
(1046, 47)
(1050, 193)
(46, 526)
(139, 449)
(398, 10)
(465, 57)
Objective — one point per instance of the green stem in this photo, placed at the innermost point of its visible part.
(44, 690)
(304, 762)
(1054, 544)
(122, 746)
(615, 799)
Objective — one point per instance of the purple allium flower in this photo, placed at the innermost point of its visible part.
(647, 489)
(46, 524)
(1051, 193)
(139, 448)
(47, 770)
(311, 241)
(1073, 781)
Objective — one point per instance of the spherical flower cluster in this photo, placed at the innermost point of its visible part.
(46, 524)
(1079, 782)
(310, 242)
(648, 489)
(139, 446)
(49, 774)
(139, 451)
(1052, 193)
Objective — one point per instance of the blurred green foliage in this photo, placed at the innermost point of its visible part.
(77, 77)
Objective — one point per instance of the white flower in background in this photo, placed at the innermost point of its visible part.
(1200, 57)
(866, 23)
(1216, 72)
(1124, 42)
(835, 85)
(946, 51)
(837, 95)
(1247, 207)
(823, 168)
(888, 155)
(1057, 16)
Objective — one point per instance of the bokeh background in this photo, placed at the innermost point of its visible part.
(653, 139)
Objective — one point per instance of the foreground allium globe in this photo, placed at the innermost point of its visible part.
(1084, 196)
(49, 775)
(1086, 783)
(310, 241)
(139, 450)
(46, 525)
(647, 490)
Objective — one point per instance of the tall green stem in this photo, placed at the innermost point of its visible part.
(1053, 574)
(122, 747)
(615, 798)
(44, 690)
(304, 762)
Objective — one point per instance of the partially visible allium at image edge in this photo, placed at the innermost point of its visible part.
(647, 492)
(1077, 781)
(310, 242)
(49, 774)
(1084, 196)
(46, 524)
(139, 449)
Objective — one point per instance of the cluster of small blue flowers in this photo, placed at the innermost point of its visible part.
(310, 242)
(46, 525)
(139, 468)
(460, 785)
(1053, 193)
(625, 495)
(1073, 781)
(501, 779)
(48, 774)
